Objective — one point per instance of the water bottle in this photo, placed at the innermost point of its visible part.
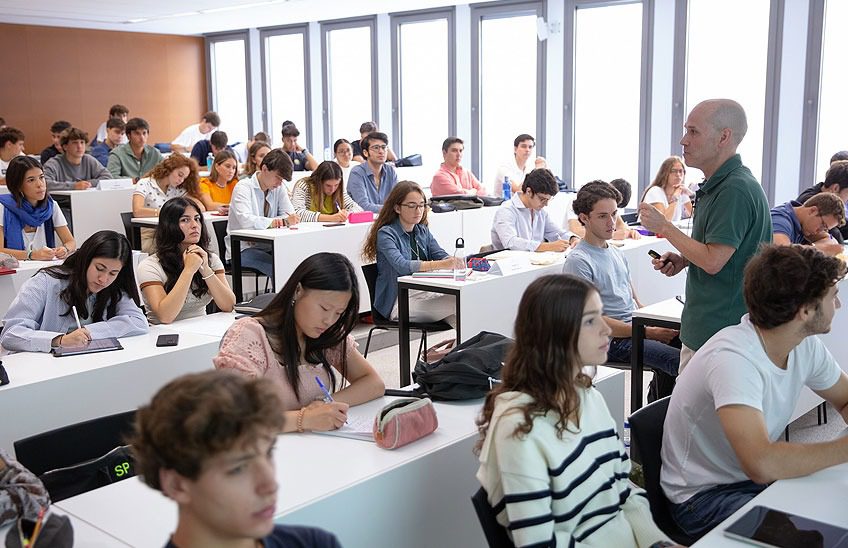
(626, 435)
(507, 189)
(209, 159)
(459, 272)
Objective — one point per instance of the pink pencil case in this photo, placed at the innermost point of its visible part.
(360, 217)
(404, 421)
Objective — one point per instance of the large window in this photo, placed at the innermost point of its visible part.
(423, 83)
(350, 91)
(507, 95)
(228, 77)
(727, 57)
(286, 79)
(833, 117)
(607, 87)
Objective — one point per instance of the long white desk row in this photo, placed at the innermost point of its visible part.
(418, 495)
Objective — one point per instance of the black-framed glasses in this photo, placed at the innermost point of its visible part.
(413, 205)
(376, 148)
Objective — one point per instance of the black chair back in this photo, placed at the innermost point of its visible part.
(126, 219)
(116, 465)
(496, 535)
(73, 444)
(646, 434)
(369, 271)
(220, 235)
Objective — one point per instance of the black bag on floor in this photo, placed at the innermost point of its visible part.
(468, 371)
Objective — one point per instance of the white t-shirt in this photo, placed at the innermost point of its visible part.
(191, 135)
(515, 174)
(101, 135)
(656, 195)
(4, 165)
(732, 369)
(153, 195)
(150, 272)
(38, 239)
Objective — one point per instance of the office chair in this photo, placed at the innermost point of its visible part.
(126, 220)
(496, 535)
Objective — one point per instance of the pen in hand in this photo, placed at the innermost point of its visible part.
(327, 397)
(79, 325)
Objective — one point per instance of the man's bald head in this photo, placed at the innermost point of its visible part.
(726, 114)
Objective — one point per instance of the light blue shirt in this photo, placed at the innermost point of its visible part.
(518, 227)
(362, 186)
(247, 207)
(36, 317)
(608, 270)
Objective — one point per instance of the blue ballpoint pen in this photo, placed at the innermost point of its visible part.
(327, 397)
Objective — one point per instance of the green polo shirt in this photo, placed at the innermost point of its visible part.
(123, 163)
(731, 210)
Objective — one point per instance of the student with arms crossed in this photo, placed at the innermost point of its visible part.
(302, 334)
(723, 437)
(551, 462)
(594, 260)
(401, 243)
(98, 280)
(262, 202)
(522, 222)
(811, 223)
(29, 218)
(322, 197)
(182, 276)
(452, 178)
(206, 441)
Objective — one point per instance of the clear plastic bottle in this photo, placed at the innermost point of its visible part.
(209, 159)
(459, 272)
(507, 189)
(625, 435)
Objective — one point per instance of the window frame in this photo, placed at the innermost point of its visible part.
(812, 94)
(211, 99)
(285, 30)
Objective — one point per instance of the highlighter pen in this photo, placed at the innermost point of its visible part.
(327, 397)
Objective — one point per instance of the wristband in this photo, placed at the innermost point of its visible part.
(300, 419)
(29, 255)
(207, 277)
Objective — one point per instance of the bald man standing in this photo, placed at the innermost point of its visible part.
(730, 222)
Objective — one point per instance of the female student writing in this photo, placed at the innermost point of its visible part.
(302, 334)
(668, 191)
(174, 177)
(98, 281)
(255, 154)
(550, 459)
(182, 276)
(217, 189)
(401, 244)
(29, 217)
(322, 197)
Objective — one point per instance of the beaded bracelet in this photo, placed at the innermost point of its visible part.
(300, 419)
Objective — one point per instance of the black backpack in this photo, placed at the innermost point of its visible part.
(467, 372)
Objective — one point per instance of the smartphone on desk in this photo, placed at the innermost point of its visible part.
(334, 224)
(168, 340)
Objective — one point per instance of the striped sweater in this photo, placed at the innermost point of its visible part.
(572, 491)
(301, 199)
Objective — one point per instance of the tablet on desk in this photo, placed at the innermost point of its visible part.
(768, 527)
(97, 345)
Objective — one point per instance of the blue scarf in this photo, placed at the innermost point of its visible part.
(15, 218)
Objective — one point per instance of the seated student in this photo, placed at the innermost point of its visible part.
(56, 135)
(115, 136)
(667, 192)
(793, 223)
(116, 112)
(11, 145)
(217, 189)
(302, 334)
(522, 222)
(206, 441)
(182, 276)
(29, 218)
(401, 243)
(520, 165)
(835, 182)
(301, 159)
(175, 177)
(622, 231)
(262, 202)
(371, 182)
(215, 144)
(255, 153)
(74, 169)
(554, 469)
(321, 196)
(451, 177)
(98, 280)
(356, 145)
(594, 260)
(185, 141)
(241, 149)
(343, 154)
(135, 158)
(723, 438)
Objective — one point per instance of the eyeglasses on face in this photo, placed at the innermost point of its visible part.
(413, 205)
(378, 148)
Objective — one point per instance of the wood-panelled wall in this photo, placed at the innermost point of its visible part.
(56, 73)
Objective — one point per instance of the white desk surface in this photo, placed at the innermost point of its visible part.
(819, 496)
(84, 534)
(208, 216)
(46, 392)
(94, 210)
(10, 284)
(668, 310)
(212, 325)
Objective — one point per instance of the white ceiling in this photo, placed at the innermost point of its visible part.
(192, 17)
